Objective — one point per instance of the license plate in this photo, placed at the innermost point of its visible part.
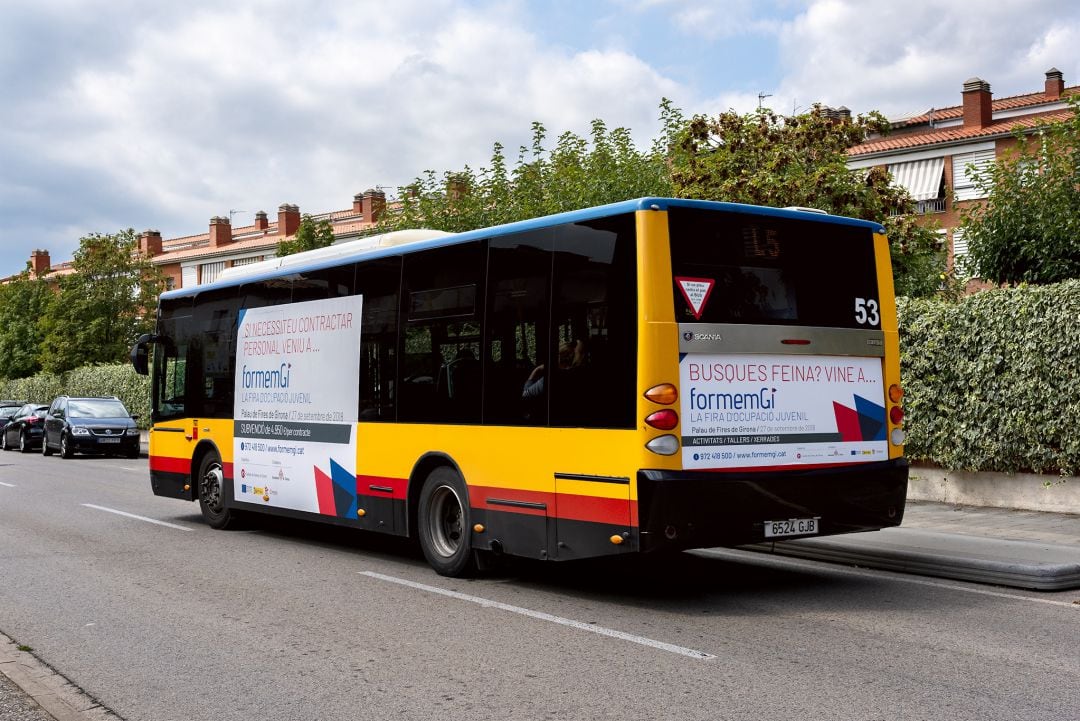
(791, 527)
(108, 440)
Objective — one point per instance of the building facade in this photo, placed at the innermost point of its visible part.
(933, 154)
(199, 259)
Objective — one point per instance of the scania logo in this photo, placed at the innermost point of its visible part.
(688, 336)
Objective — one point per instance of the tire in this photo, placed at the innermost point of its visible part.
(24, 442)
(66, 451)
(45, 450)
(211, 487)
(3, 441)
(444, 527)
(133, 454)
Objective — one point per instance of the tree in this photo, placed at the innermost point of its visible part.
(23, 303)
(577, 173)
(103, 306)
(1028, 230)
(766, 159)
(310, 235)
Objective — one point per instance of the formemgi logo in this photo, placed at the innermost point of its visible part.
(266, 378)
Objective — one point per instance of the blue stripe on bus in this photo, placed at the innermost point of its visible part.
(575, 216)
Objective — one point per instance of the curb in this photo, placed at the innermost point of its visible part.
(57, 696)
(1018, 564)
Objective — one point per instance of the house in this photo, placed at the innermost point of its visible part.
(933, 154)
(199, 259)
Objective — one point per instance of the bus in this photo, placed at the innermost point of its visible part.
(651, 375)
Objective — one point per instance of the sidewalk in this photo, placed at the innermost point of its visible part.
(1000, 546)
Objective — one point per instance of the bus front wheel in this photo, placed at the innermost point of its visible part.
(212, 492)
(444, 527)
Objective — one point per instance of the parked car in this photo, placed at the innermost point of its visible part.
(23, 431)
(94, 425)
(9, 409)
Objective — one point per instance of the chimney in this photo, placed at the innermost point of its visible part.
(372, 205)
(220, 232)
(150, 243)
(261, 223)
(456, 188)
(977, 98)
(358, 203)
(1055, 83)
(288, 219)
(39, 263)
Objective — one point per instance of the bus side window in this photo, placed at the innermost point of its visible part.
(441, 303)
(594, 316)
(212, 354)
(516, 336)
(378, 282)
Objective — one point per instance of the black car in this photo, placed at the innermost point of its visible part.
(95, 425)
(9, 409)
(23, 431)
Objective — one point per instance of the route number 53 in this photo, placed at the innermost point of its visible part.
(866, 311)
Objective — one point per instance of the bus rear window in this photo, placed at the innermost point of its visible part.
(761, 269)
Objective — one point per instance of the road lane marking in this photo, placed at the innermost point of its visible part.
(139, 518)
(740, 556)
(9, 485)
(579, 625)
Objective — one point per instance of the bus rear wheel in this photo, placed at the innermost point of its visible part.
(211, 481)
(444, 527)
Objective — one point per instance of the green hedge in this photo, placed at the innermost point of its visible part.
(992, 383)
(111, 380)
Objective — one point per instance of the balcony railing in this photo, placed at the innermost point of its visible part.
(923, 207)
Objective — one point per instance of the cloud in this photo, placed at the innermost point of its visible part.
(253, 104)
(905, 58)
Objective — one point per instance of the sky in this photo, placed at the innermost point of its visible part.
(122, 114)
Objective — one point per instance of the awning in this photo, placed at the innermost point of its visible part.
(921, 178)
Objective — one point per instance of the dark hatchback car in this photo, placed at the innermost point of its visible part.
(23, 431)
(9, 409)
(90, 425)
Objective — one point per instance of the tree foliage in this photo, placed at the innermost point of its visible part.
(311, 234)
(576, 173)
(763, 158)
(1028, 230)
(102, 307)
(24, 301)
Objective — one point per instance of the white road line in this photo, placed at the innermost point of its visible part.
(139, 518)
(742, 556)
(580, 625)
(9, 485)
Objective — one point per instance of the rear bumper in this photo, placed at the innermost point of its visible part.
(694, 509)
(94, 444)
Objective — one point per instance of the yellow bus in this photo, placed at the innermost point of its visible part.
(650, 375)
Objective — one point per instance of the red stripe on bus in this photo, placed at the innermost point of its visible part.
(596, 509)
(571, 507)
(165, 464)
(400, 485)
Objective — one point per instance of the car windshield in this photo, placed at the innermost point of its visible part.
(8, 411)
(96, 409)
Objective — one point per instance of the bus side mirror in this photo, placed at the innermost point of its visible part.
(140, 354)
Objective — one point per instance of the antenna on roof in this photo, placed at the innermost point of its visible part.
(234, 212)
(761, 97)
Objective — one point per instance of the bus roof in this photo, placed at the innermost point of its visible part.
(371, 250)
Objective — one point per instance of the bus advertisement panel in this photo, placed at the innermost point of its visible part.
(745, 411)
(296, 406)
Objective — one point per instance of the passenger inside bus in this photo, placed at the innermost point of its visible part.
(571, 356)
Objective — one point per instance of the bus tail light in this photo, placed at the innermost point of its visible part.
(896, 393)
(664, 420)
(665, 445)
(664, 394)
(896, 415)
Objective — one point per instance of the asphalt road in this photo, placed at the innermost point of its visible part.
(159, 618)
